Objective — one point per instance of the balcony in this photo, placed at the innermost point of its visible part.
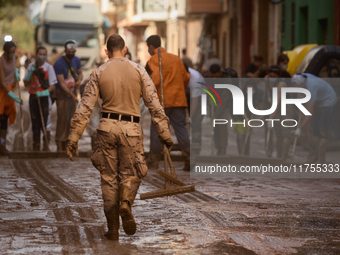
(151, 10)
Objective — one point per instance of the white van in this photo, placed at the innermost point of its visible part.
(80, 21)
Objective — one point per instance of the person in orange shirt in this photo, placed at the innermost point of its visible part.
(175, 80)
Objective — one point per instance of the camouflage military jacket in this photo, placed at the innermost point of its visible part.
(120, 83)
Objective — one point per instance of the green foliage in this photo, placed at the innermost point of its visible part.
(12, 2)
(18, 25)
(9, 7)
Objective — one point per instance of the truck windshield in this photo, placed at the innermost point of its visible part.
(83, 37)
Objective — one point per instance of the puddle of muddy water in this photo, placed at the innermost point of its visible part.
(32, 215)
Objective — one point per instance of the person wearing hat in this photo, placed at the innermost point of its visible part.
(69, 76)
(323, 99)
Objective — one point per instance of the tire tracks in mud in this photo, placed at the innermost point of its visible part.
(193, 197)
(77, 224)
(219, 221)
(216, 218)
(246, 235)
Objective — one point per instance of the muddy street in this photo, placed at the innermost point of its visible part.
(53, 206)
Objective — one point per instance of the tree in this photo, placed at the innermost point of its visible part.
(14, 21)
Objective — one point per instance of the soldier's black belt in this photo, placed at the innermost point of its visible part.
(116, 116)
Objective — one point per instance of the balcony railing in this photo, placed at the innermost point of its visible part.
(154, 6)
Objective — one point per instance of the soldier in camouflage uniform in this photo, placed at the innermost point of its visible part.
(119, 152)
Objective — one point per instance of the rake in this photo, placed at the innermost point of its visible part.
(171, 177)
(168, 189)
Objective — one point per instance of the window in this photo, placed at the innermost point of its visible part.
(84, 37)
(292, 25)
(283, 18)
(135, 7)
(153, 5)
(303, 27)
(322, 31)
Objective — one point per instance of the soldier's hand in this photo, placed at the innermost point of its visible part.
(168, 143)
(71, 148)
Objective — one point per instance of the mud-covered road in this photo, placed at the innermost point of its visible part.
(54, 206)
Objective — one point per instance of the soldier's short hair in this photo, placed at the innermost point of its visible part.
(115, 43)
(154, 40)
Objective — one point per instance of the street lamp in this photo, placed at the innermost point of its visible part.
(8, 38)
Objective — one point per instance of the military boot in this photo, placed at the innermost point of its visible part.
(322, 151)
(313, 150)
(112, 217)
(128, 191)
(3, 149)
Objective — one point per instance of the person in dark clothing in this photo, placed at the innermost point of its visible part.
(128, 55)
(243, 133)
(256, 69)
(222, 111)
(282, 62)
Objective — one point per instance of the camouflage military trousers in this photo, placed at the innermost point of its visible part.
(119, 157)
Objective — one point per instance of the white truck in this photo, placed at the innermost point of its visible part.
(81, 21)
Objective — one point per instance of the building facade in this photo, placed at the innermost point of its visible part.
(309, 22)
(235, 30)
